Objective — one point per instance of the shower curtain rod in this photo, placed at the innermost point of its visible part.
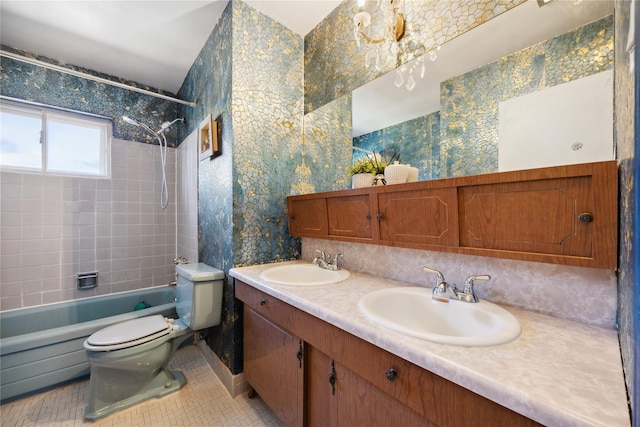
(90, 77)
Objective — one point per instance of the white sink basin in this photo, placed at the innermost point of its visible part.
(303, 275)
(411, 311)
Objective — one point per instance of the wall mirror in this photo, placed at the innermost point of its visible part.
(380, 104)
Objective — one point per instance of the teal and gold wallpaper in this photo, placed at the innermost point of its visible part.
(627, 111)
(34, 83)
(326, 148)
(250, 72)
(334, 65)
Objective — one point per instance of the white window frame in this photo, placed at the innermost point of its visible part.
(103, 124)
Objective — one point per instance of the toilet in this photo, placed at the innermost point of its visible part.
(129, 360)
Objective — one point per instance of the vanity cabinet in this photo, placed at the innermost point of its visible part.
(347, 381)
(561, 215)
(339, 397)
(273, 362)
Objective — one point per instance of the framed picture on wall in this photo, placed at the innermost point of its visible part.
(208, 142)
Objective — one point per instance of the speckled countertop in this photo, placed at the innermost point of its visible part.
(558, 372)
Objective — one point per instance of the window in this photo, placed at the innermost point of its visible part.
(36, 138)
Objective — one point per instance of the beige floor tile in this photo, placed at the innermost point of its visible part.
(202, 402)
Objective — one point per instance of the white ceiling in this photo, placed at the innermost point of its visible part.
(149, 42)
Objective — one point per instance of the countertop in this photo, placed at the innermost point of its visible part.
(558, 372)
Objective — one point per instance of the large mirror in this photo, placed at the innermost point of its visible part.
(497, 98)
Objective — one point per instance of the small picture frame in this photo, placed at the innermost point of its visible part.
(208, 142)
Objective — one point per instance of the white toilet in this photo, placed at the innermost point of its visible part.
(129, 360)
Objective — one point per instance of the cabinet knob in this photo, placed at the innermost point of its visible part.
(292, 216)
(368, 216)
(262, 301)
(391, 374)
(586, 217)
(379, 216)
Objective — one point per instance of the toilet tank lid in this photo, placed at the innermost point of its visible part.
(200, 272)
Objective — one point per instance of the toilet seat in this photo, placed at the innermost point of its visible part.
(129, 333)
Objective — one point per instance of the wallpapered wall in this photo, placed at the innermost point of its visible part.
(37, 84)
(625, 98)
(250, 72)
(334, 65)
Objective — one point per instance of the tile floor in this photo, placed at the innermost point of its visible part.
(203, 401)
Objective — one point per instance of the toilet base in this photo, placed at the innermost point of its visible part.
(163, 383)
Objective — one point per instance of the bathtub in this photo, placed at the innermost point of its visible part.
(42, 346)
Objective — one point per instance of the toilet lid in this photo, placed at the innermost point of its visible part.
(131, 332)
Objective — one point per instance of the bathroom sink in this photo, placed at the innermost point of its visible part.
(411, 311)
(303, 275)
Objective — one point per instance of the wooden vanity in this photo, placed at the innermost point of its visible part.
(316, 360)
(311, 373)
(562, 215)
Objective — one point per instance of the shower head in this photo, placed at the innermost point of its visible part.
(163, 127)
(137, 122)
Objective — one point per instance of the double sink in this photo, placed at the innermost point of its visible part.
(411, 310)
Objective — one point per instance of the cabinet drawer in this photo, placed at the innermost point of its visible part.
(270, 307)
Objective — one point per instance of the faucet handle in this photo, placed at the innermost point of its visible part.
(322, 256)
(439, 276)
(335, 261)
(468, 284)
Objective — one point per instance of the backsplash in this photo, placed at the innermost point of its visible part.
(582, 294)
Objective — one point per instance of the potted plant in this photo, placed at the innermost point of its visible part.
(365, 169)
(371, 167)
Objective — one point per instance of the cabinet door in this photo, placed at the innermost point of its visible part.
(307, 216)
(540, 216)
(350, 216)
(338, 397)
(273, 366)
(424, 217)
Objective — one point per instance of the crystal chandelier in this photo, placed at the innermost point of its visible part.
(397, 46)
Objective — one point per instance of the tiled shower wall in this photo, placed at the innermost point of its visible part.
(54, 227)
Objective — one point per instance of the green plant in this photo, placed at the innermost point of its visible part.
(372, 163)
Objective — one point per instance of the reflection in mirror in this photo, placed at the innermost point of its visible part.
(449, 124)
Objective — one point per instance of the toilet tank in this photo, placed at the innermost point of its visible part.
(199, 296)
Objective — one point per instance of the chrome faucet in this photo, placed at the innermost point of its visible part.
(325, 261)
(443, 291)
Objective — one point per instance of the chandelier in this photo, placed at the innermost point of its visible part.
(397, 45)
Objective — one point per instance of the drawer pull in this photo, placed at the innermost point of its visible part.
(391, 374)
(262, 301)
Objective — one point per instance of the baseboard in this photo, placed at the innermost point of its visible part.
(235, 384)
